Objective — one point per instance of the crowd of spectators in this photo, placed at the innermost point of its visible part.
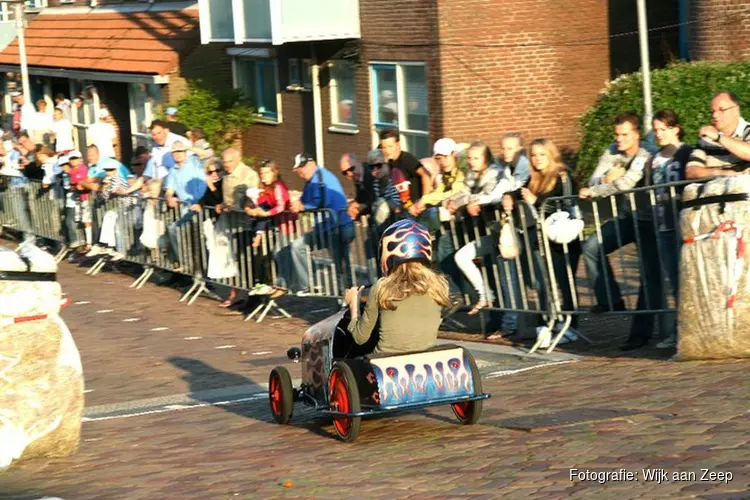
(461, 185)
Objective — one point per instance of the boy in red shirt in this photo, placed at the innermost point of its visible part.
(78, 173)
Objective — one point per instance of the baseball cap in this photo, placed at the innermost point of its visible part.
(75, 154)
(375, 157)
(444, 147)
(110, 165)
(301, 160)
(63, 160)
(103, 113)
(171, 111)
(15, 93)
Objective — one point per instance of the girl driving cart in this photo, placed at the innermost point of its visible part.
(408, 300)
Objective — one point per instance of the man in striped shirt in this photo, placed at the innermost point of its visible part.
(724, 146)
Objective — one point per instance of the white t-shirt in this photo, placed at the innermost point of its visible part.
(63, 131)
(102, 135)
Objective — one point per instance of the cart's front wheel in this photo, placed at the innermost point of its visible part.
(469, 412)
(343, 396)
(281, 394)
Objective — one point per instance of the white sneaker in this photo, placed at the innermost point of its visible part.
(260, 290)
(95, 250)
(545, 335)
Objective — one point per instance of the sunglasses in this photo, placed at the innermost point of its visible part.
(348, 171)
(213, 171)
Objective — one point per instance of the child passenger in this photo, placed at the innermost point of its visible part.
(408, 299)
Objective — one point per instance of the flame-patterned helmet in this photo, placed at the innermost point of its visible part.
(403, 241)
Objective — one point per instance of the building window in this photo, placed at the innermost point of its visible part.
(294, 76)
(343, 94)
(220, 20)
(145, 105)
(399, 99)
(35, 4)
(257, 81)
(83, 112)
(306, 74)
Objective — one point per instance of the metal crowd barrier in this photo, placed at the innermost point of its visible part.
(531, 283)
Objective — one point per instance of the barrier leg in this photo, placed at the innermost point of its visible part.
(98, 265)
(255, 311)
(264, 308)
(143, 278)
(186, 295)
(198, 293)
(62, 253)
(539, 340)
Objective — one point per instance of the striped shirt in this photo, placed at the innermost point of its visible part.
(713, 155)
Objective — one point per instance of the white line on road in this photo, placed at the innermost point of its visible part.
(193, 338)
(102, 311)
(261, 353)
(229, 346)
(179, 407)
(88, 390)
(81, 303)
(131, 320)
(503, 373)
(160, 329)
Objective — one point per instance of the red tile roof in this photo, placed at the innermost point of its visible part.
(138, 42)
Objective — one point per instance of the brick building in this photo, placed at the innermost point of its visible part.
(130, 57)
(724, 31)
(468, 69)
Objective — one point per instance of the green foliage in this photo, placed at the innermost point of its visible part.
(222, 115)
(686, 88)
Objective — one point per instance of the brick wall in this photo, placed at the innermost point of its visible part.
(506, 66)
(723, 33)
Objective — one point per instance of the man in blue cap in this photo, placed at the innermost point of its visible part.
(173, 125)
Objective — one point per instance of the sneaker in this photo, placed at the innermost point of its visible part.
(260, 289)
(668, 343)
(95, 250)
(545, 335)
(303, 293)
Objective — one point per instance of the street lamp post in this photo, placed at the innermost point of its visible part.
(18, 14)
(645, 65)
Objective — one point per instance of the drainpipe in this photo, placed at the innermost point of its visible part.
(684, 10)
(317, 109)
(645, 64)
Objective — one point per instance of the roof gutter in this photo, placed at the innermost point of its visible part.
(102, 76)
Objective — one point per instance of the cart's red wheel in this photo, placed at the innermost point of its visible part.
(281, 394)
(469, 412)
(343, 396)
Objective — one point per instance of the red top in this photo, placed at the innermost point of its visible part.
(77, 175)
(275, 200)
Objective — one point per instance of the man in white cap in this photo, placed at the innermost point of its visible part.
(174, 126)
(102, 134)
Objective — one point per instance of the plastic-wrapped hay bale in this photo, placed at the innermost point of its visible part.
(41, 380)
(714, 309)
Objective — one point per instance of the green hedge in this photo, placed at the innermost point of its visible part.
(223, 116)
(686, 88)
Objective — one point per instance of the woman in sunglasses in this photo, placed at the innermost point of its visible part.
(213, 194)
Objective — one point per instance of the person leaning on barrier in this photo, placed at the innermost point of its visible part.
(620, 168)
(213, 195)
(98, 166)
(114, 226)
(160, 161)
(322, 191)
(452, 184)
(513, 162)
(79, 173)
(724, 146)
(375, 192)
(419, 180)
(238, 179)
(407, 301)
(668, 165)
(482, 180)
(548, 179)
(271, 210)
(184, 186)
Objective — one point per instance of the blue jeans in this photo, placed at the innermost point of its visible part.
(294, 271)
(177, 254)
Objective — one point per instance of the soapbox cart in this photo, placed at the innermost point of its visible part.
(340, 379)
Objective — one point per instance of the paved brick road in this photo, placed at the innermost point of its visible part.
(685, 417)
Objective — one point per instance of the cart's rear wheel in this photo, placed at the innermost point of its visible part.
(281, 394)
(343, 396)
(469, 412)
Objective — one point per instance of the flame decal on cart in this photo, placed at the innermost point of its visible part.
(423, 377)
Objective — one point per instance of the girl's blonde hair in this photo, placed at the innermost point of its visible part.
(412, 278)
(544, 181)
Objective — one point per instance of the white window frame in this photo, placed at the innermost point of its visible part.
(259, 117)
(238, 20)
(150, 116)
(400, 97)
(87, 120)
(336, 125)
(38, 5)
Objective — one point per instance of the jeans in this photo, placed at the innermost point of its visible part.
(71, 226)
(176, 253)
(507, 273)
(650, 293)
(294, 271)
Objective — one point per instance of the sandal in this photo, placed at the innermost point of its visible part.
(481, 304)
